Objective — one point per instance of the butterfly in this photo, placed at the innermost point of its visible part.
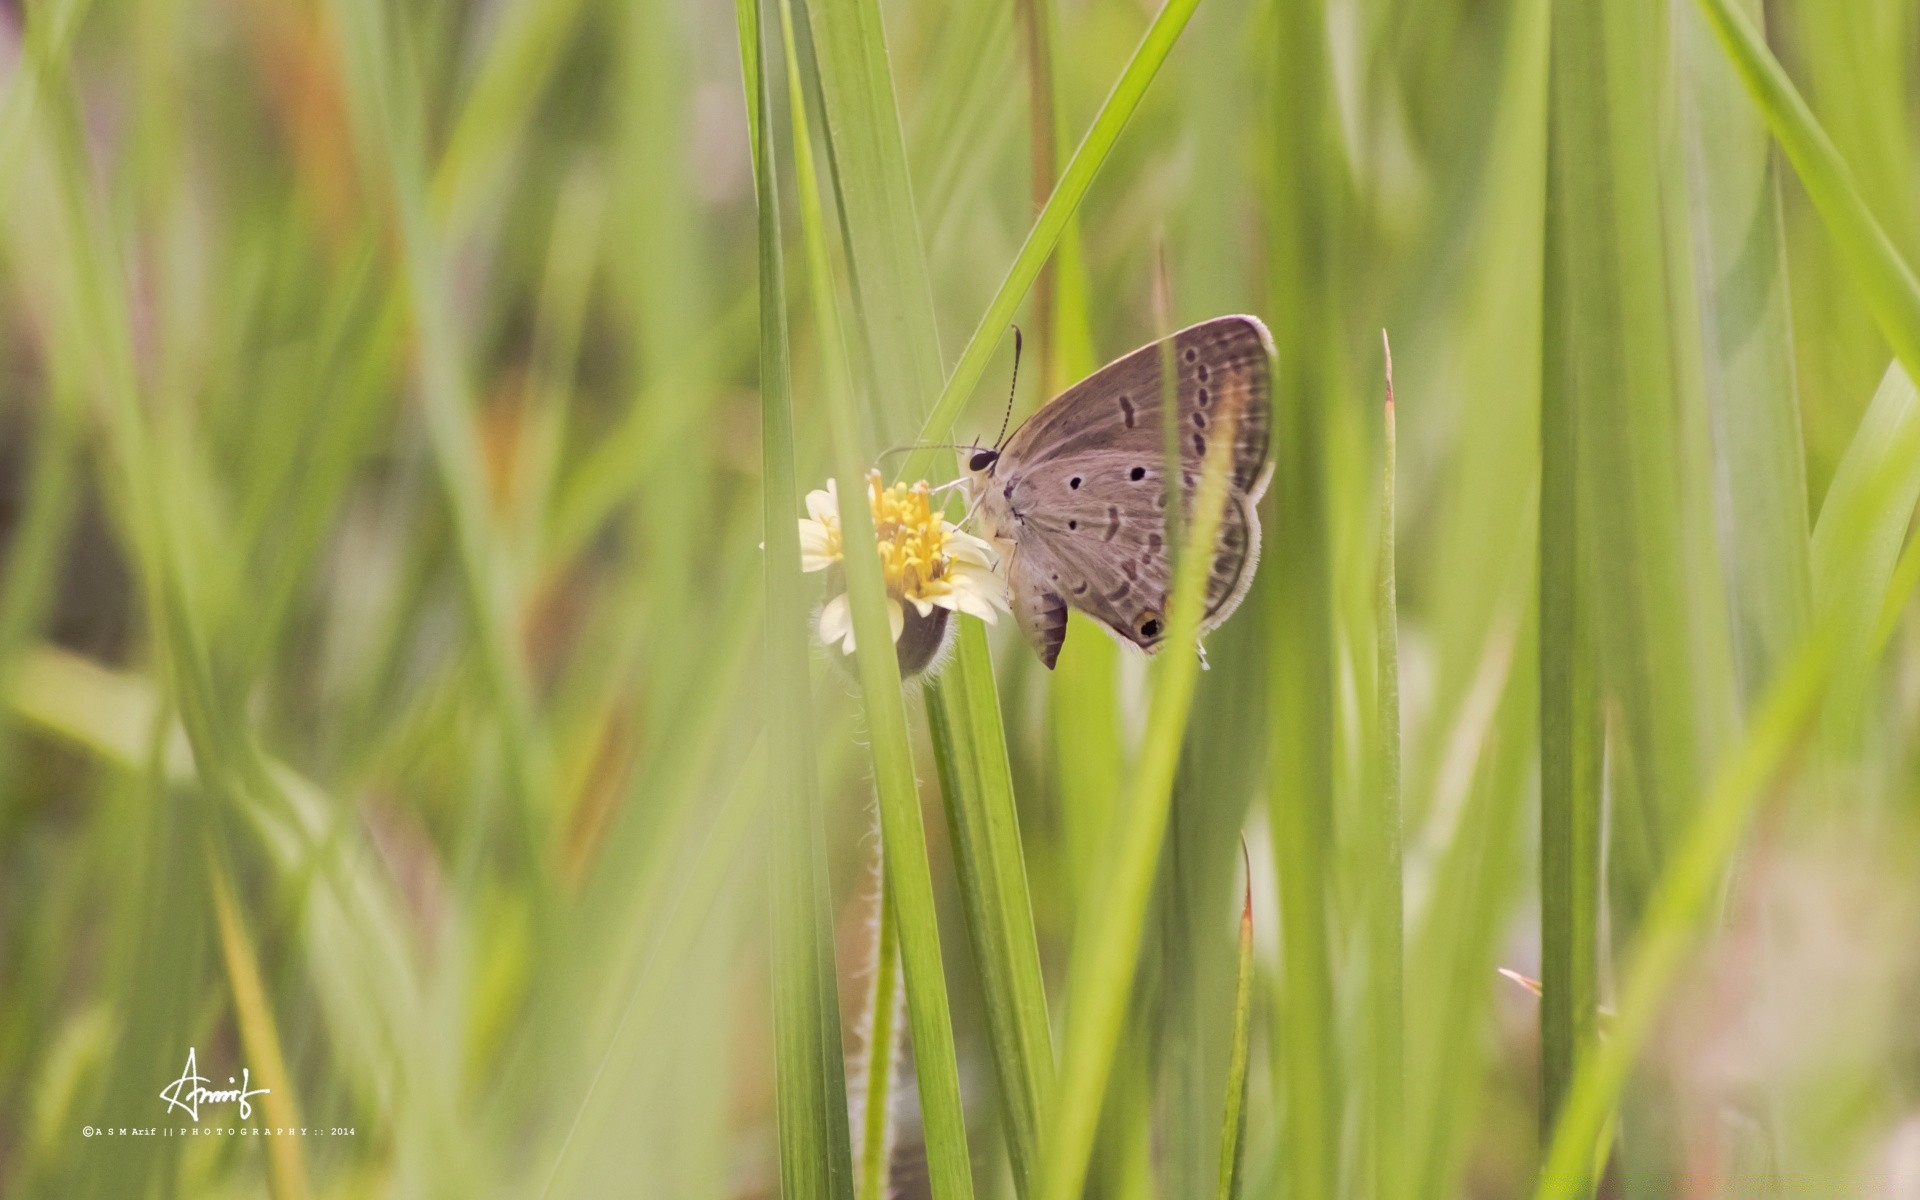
(1079, 489)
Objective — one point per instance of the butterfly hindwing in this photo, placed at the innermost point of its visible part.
(1038, 608)
(1108, 556)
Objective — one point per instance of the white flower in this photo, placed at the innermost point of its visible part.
(927, 562)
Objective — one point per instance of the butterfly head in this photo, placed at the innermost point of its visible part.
(982, 461)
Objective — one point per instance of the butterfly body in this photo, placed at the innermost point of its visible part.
(1078, 495)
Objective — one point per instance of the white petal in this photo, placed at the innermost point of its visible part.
(817, 551)
(923, 606)
(984, 584)
(836, 624)
(896, 617)
(974, 604)
(965, 547)
(822, 504)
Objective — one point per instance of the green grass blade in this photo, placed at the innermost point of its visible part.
(1855, 544)
(881, 1052)
(1088, 158)
(910, 880)
(815, 1152)
(1884, 279)
(1570, 732)
(1106, 948)
(1302, 215)
(1751, 396)
(901, 828)
(1655, 601)
(1678, 907)
(888, 266)
(889, 283)
(1386, 938)
(286, 1170)
(1233, 1129)
(963, 715)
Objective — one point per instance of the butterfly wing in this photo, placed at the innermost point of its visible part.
(1038, 608)
(1223, 377)
(1080, 487)
(1107, 557)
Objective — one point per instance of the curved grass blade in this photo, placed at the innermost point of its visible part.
(1885, 280)
(1106, 948)
(1078, 176)
(909, 876)
(1854, 546)
(1678, 906)
(810, 1080)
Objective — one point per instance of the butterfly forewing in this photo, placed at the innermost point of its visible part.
(1223, 372)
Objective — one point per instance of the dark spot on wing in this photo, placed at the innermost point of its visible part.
(1199, 420)
(1073, 524)
(1205, 397)
(1137, 474)
(1113, 521)
(1126, 411)
(1201, 371)
(1199, 447)
(1192, 354)
(1074, 483)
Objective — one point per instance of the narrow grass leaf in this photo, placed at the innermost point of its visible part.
(1885, 280)
(1570, 731)
(810, 1079)
(286, 1173)
(1233, 1129)
(1386, 1034)
(1678, 907)
(902, 832)
(1075, 179)
(1855, 545)
(881, 1051)
(1106, 948)
(963, 717)
(894, 300)
(1310, 1070)
(1752, 401)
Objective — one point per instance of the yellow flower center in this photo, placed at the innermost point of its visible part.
(911, 537)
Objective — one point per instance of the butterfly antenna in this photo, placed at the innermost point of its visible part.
(1000, 440)
(891, 451)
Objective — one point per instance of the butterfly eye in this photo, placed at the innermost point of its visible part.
(982, 460)
(1147, 624)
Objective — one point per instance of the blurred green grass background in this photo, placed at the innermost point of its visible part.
(395, 698)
